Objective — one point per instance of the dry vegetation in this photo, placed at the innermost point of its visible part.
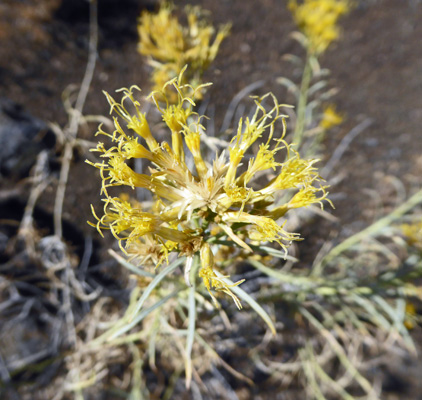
(147, 312)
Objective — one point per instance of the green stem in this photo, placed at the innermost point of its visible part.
(191, 322)
(302, 103)
(369, 231)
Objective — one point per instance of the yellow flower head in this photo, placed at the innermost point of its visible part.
(199, 203)
(170, 45)
(413, 234)
(317, 19)
(330, 117)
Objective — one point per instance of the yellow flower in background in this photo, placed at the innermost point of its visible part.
(199, 203)
(170, 46)
(317, 19)
(410, 314)
(330, 117)
(413, 234)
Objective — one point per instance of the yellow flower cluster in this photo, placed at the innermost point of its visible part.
(330, 117)
(170, 46)
(198, 204)
(317, 19)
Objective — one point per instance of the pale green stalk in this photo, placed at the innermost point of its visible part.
(369, 231)
(191, 326)
(248, 299)
(302, 103)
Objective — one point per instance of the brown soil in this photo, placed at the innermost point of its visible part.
(376, 66)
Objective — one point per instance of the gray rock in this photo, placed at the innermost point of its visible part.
(22, 137)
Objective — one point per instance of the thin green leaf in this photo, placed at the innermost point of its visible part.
(141, 315)
(123, 325)
(371, 230)
(295, 60)
(154, 283)
(277, 253)
(325, 378)
(129, 266)
(302, 281)
(289, 85)
(397, 320)
(312, 384)
(316, 87)
(137, 382)
(190, 335)
(301, 38)
(377, 318)
(316, 68)
(152, 342)
(248, 299)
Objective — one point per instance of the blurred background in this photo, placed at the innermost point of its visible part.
(376, 67)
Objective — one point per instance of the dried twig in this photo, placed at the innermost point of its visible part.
(75, 118)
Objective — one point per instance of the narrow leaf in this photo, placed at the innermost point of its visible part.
(154, 283)
(248, 299)
(129, 266)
